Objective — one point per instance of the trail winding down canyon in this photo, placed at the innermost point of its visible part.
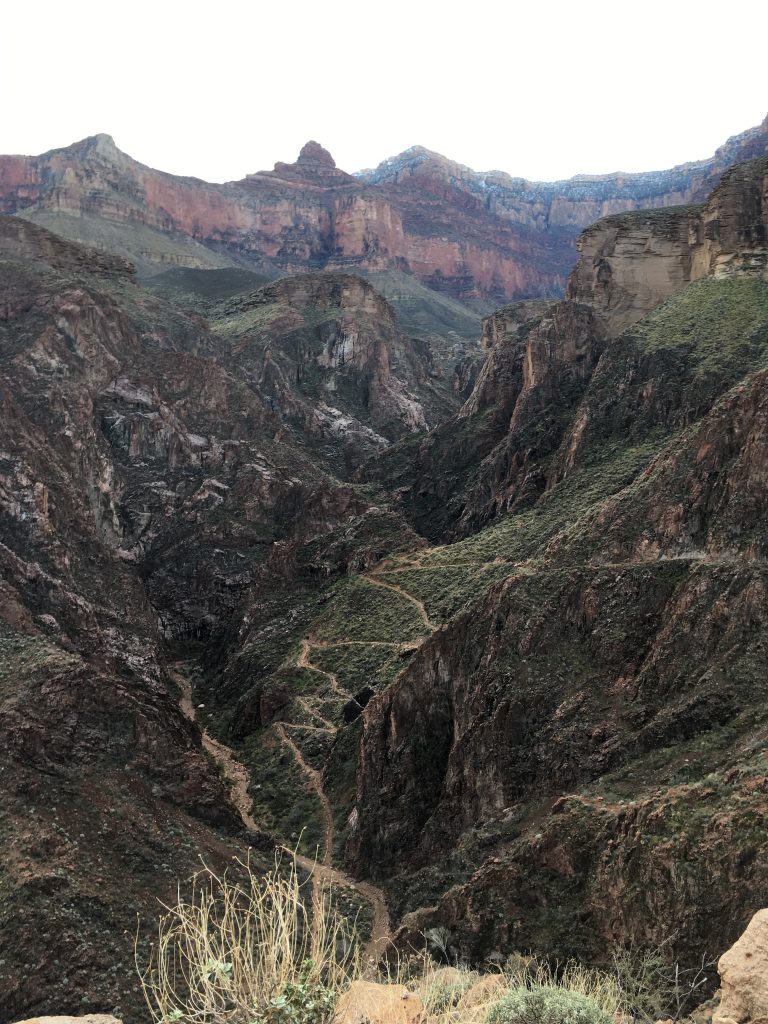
(323, 874)
(418, 605)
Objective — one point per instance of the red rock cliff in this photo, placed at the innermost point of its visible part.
(483, 238)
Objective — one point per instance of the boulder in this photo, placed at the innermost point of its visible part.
(486, 990)
(744, 975)
(89, 1018)
(366, 1002)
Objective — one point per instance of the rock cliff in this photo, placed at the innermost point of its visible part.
(149, 479)
(499, 449)
(512, 667)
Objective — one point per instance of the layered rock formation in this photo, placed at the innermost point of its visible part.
(492, 456)
(482, 238)
(628, 265)
(564, 702)
(743, 973)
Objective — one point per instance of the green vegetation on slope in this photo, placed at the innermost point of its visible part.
(721, 325)
(366, 612)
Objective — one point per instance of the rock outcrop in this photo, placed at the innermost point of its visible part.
(149, 481)
(366, 1002)
(498, 452)
(629, 265)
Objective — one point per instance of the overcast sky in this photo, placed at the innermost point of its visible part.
(543, 90)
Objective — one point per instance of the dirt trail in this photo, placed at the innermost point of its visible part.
(315, 781)
(304, 662)
(236, 773)
(418, 605)
(314, 713)
(322, 874)
(323, 644)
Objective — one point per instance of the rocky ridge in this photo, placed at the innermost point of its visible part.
(151, 475)
(484, 239)
(608, 662)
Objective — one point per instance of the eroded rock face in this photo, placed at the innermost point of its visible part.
(483, 238)
(589, 669)
(332, 339)
(487, 459)
(629, 265)
(148, 486)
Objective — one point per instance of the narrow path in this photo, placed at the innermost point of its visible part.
(304, 662)
(310, 728)
(310, 710)
(315, 781)
(418, 605)
(322, 875)
(324, 644)
(236, 773)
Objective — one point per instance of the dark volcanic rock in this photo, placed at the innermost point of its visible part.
(147, 485)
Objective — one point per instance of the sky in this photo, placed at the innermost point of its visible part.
(542, 90)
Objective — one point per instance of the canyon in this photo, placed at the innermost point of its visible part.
(283, 563)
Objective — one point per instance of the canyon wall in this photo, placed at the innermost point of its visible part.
(485, 239)
(595, 719)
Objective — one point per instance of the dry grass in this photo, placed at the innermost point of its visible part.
(246, 951)
(443, 989)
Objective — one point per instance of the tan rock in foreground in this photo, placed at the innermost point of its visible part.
(367, 1002)
(744, 975)
(483, 991)
(89, 1018)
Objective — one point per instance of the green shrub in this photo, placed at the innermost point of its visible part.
(547, 1005)
(304, 1001)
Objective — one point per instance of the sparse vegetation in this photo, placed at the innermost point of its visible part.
(547, 1004)
(276, 949)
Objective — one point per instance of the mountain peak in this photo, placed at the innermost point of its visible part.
(314, 155)
(314, 166)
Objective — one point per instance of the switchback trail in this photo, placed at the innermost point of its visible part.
(304, 662)
(315, 781)
(322, 874)
(418, 605)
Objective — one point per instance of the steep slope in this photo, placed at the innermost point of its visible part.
(483, 239)
(147, 483)
(332, 339)
(594, 695)
(499, 452)
(565, 702)
(107, 796)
